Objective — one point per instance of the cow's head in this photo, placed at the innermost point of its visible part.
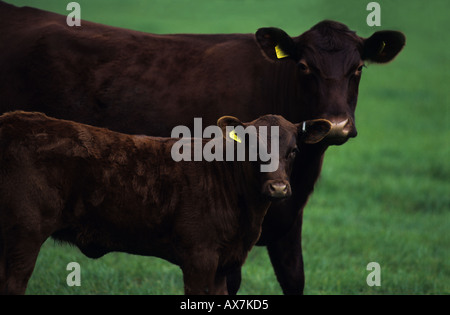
(275, 184)
(329, 60)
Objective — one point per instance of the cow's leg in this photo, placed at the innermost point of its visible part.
(287, 260)
(18, 257)
(201, 277)
(234, 281)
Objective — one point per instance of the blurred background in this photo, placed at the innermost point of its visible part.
(383, 196)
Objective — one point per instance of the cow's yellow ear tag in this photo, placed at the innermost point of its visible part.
(234, 136)
(383, 44)
(280, 53)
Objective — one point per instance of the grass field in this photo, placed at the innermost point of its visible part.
(384, 196)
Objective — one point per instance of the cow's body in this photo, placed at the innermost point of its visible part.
(105, 191)
(142, 83)
(58, 70)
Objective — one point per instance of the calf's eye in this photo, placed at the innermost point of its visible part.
(294, 152)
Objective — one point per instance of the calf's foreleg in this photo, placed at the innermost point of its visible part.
(201, 277)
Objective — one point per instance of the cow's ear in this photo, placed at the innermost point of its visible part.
(383, 46)
(225, 121)
(275, 43)
(313, 131)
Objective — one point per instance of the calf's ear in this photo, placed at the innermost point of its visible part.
(383, 46)
(225, 121)
(275, 43)
(313, 131)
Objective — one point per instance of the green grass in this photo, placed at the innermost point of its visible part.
(384, 196)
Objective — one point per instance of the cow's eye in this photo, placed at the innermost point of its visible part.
(303, 67)
(360, 68)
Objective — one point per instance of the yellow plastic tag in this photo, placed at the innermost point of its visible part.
(280, 53)
(234, 136)
(383, 44)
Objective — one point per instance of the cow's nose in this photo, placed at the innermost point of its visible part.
(278, 190)
(350, 129)
(341, 131)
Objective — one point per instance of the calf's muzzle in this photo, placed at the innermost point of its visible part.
(278, 189)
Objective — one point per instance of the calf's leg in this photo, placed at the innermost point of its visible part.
(17, 260)
(201, 277)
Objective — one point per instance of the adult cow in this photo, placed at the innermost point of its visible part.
(135, 82)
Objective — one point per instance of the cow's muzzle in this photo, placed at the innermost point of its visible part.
(341, 131)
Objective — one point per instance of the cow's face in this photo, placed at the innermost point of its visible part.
(329, 60)
(275, 183)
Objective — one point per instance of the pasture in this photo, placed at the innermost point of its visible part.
(383, 197)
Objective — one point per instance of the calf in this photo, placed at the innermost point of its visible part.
(105, 191)
(143, 83)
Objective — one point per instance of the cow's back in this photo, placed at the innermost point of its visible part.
(125, 80)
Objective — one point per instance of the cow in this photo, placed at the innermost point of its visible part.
(105, 191)
(142, 83)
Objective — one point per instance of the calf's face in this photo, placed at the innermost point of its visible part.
(284, 141)
(328, 61)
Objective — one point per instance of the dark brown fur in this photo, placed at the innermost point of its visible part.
(105, 191)
(142, 83)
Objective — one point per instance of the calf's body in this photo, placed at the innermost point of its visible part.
(104, 191)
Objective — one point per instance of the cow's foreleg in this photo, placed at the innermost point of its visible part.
(287, 260)
(234, 281)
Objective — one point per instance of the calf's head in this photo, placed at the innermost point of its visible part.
(277, 139)
(328, 61)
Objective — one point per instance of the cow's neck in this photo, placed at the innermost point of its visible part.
(280, 88)
(306, 171)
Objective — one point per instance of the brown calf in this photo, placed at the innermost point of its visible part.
(105, 191)
(143, 83)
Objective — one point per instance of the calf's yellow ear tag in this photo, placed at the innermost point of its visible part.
(234, 136)
(280, 53)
